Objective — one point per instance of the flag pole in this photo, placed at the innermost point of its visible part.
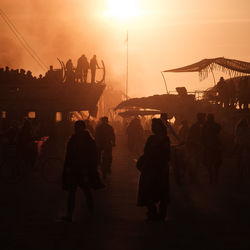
(127, 69)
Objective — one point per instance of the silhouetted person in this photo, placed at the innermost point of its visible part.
(223, 90)
(25, 144)
(79, 70)
(232, 93)
(22, 75)
(179, 154)
(49, 73)
(93, 65)
(70, 75)
(244, 93)
(183, 132)
(29, 76)
(90, 128)
(11, 134)
(135, 134)
(242, 142)
(195, 146)
(85, 65)
(212, 148)
(105, 140)
(170, 129)
(80, 168)
(154, 167)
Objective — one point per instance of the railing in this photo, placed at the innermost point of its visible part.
(198, 94)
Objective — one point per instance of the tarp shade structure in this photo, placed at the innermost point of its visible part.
(163, 103)
(130, 113)
(231, 66)
(183, 106)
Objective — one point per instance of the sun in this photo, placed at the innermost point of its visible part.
(122, 9)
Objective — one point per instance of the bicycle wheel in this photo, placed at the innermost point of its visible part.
(12, 170)
(52, 170)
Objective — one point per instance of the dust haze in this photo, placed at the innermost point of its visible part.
(166, 37)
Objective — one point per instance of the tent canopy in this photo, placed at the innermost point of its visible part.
(137, 112)
(231, 66)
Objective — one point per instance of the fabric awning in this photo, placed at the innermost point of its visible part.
(233, 66)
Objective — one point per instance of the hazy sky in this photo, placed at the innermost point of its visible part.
(167, 34)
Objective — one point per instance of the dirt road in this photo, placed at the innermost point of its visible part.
(200, 216)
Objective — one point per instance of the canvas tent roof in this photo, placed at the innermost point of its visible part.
(139, 112)
(231, 66)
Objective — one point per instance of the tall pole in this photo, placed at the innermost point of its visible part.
(127, 69)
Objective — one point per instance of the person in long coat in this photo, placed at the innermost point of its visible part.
(80, 168)
(154, 167)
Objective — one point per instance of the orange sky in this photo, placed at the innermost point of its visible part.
(168, 34)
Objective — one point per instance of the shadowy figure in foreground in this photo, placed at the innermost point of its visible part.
(154, 167)
(80, 168)
(212, 148)
(105, 140)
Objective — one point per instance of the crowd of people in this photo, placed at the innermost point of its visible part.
(231, 94)
(89, 148)
(78, 74)
(15, 76)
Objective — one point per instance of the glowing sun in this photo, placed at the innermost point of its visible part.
(122, 9)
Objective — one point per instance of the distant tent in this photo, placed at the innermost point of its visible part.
(231, 66)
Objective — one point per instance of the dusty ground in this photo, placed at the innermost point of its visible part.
(200, 216)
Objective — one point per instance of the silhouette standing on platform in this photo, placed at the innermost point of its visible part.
(105, 140)
(80, 168)
(212, 148)
(70, 75)
(154, 168)
(85, 68)
(79, 70)
(93, 65)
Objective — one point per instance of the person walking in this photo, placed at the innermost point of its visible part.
(212, 148)
(80, 168)
(105, 140)
(154, 168)
(195, 147)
